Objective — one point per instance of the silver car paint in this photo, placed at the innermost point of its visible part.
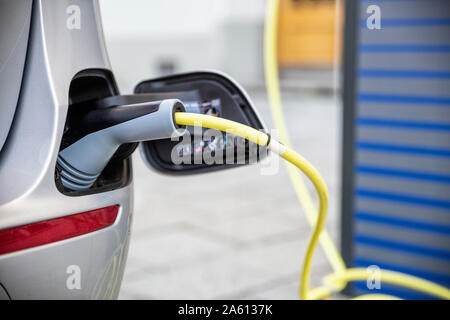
(27, 163)
(15, 20)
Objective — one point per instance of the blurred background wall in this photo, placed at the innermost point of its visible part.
(160, 37)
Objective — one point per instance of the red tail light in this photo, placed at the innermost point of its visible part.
(48, 231)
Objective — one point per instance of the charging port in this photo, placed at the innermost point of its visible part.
(86, 87)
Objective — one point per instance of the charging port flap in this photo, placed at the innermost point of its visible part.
(210, 93)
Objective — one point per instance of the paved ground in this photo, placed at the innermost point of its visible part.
(236, 233)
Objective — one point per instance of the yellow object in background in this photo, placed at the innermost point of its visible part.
(306, 33)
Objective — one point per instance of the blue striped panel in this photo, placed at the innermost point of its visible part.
(403, 198)
(443, 279)
(374, 1)
(396, 290)
(400, 292)
(387, 219)
(409, 22)
(396, 0)
(396, 73)
(404, 48)
(408, 149)
(403, 99)
(403, 174)
(401, 124)
(391, 245)
(406, 16)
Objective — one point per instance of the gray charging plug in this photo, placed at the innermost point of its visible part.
(82, 162)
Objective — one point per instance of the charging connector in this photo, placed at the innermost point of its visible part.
(82, 162)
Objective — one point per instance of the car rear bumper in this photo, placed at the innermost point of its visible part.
(89, 266)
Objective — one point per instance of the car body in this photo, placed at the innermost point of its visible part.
(57, 48)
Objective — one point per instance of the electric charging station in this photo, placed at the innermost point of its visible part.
(396, 141)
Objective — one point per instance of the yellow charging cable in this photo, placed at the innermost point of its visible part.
(285, 152)
(274, 95)
(335, 280)
(342, 275)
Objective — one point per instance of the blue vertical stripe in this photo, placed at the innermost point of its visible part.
(403, 99)
(404, 48)
(409, 22)
(385, 219)
(407, 149)
(397, 73)
(394, 245)
(441, 278)
(396, 291)
(402, 124)
(403, 198)
(403, 174)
